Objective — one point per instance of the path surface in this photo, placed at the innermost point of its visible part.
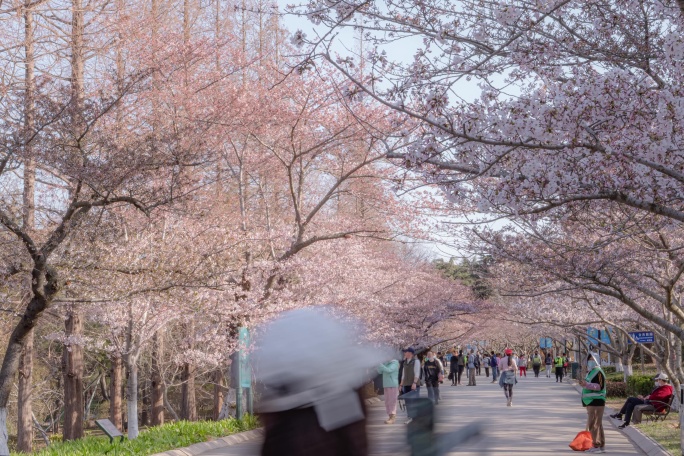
(544, 419)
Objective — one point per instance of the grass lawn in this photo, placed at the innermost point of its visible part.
(665, 432)
(154, 440)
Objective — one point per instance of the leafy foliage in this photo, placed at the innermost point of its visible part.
(616, 389)
(640, 385)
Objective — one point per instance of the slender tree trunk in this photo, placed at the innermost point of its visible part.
(4, 449)
(132, 398)
(73, 378)
(25, 390)
(188, 401)
(219, 389)
(104, 391)
(145, 412)
(115, 389)
(157, 392)
(25, 432)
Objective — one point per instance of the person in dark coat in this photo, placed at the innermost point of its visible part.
(453, 369)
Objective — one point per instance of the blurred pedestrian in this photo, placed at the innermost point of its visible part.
(433, 375)
(558, 364)
(548, 362)
(471, 368)
(536, 363)
(312, 415)
(508, 370)
(453, 369)
(410, 378)
(522, 365)
(390, 385)
(461, 365)
(487, 363)
(495, 367)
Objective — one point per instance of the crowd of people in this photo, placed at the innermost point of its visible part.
(400, 377)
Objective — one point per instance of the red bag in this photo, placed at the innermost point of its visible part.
(582, 442)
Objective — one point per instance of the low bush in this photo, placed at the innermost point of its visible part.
(640, 385)
(615, 377)
(616, 389)
(609, 370)
(154, 440)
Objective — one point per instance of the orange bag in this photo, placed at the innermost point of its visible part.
(582, 442)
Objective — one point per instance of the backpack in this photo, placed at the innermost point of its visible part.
(536, 360)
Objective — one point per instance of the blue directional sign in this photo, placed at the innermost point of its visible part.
(643, 337)
(545, 342)
(593, 335)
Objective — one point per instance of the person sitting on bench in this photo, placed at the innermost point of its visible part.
(637, 405)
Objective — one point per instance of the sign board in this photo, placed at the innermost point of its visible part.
(245, 373)
(596, 334)
(109, 429)
(545, 342)
(643, 337)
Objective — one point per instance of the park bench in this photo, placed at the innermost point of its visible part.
(664, 407)
(108, 428)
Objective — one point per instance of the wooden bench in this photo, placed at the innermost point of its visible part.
(664, 407)
(109, 429)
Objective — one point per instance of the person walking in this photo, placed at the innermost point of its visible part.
(461, 365)
(495, 366)
(471, 368)
(410, 379)
(536, 363)
(548, 361)
(653, 402)
(390, 385)
(522, 365)
(558, 364)
(487, 363)
(433, 374)
(478, 366)
(453, 368)
(508, 369)
(594, 399)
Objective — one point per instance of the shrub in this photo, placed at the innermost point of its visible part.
(615, 377)
(640, 385)
(609, 370)
(154, 440)
(616, 389)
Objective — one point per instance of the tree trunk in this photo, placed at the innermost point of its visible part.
(144, 413)
(73, 378)
(188, 401)
(218, 393)
(157, 386)
(25, 390)
(115, 390)
(132, 398)
(25, 387)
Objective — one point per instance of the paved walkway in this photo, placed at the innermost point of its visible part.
(544, 419)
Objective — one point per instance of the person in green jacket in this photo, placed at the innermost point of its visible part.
(390, 383)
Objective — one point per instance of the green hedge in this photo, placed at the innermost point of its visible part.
(640, 385)
(609, 370)
(155, 440)
(616, 389)
(616, 377)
